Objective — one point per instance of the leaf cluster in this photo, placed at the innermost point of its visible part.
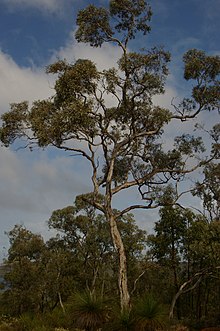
(205, 70)
(98, 25)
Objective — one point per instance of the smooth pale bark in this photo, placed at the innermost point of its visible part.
(122, 277)
(116, 239)
(183, 290)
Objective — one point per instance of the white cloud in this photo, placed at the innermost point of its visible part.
(184, 44)
(105, 57)
(19, 84)
(50, 6)
(34, 184)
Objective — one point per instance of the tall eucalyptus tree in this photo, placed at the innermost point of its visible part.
(122, 142)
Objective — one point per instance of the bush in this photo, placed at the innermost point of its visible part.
(10, 324)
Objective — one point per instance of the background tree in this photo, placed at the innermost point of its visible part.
(167, 246)
(209, 191)
(86, 236)
(38, 276)
(204, 256)
(42, 276)
(185, 247)
(128, 133)
(24, 277)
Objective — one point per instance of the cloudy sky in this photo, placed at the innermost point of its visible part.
(34, 33)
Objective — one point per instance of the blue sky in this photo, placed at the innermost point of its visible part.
(33, 33)
(31, 30)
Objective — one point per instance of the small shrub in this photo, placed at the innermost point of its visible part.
(88, 311)
(150, 314)
(10, 324)
(122, 321)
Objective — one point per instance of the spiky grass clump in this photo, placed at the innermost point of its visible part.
(122, 321)
(150, 314)
(89, 311)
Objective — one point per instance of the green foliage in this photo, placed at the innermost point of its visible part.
(80, 256)
(209, 190)
(146, 313)
(167, 243)
(122, 321)
(13, 123)
(132, 16)
(186, 247)
(204, 244)
(36, 274)
(10, 324)
(188, 144)
(23, 264)
(215, 134)
(95, 23)
(150, 314)
(88, 311)
(74, 80)
(24, 244)
(86, 235)
(205, 70)
(198, 62)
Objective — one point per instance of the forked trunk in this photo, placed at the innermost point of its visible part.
(122, 277)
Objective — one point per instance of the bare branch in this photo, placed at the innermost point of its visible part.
(182, 289)
(132, 207)
(135, 282)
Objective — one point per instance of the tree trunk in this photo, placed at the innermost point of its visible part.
(117, 240)
(122, 277)
(174, 267)
(61, 303)
(181, 291)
